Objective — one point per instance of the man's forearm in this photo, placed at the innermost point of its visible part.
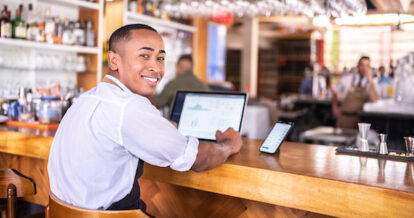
(211, 155)
(335, 108)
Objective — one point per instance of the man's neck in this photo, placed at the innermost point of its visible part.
(185, 72)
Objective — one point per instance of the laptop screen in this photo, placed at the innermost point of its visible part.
(201, 114)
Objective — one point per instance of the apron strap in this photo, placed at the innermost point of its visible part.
(132, 200)
(110, 81)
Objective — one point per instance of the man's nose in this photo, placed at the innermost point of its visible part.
(154, 65)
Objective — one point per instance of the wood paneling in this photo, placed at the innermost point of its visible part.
(290, 190)
(33, 168)
(22, 185)
(200, 40)
(113, 17)
(25, 144)
(306, 177)
(166, 200)
(87, 81)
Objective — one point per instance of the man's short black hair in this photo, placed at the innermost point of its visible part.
(186, 57)
(363, 58)
(123, 33)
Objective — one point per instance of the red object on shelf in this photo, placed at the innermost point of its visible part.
(224, 19)
(32, 125)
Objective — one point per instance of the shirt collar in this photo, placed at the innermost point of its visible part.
(119, 83)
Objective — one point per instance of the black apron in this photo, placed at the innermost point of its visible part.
(132, 200)
(353, 103)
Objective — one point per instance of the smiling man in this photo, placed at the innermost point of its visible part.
(104, 139)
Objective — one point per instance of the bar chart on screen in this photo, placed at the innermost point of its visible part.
(202, 115)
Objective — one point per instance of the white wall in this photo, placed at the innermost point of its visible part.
(379, 43)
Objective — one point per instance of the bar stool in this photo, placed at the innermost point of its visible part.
(13, 184)
(59, 209)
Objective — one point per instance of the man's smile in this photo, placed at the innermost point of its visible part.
(151, 80)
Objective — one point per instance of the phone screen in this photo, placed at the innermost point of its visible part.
(275, 138)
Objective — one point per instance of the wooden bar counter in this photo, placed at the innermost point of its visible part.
(300, 178)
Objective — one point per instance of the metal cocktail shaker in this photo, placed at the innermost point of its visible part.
(382, 147)
(409, 145)
(363, 134)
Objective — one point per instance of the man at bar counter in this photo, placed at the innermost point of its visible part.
(105, 137)
(355, 90)
(184, 80)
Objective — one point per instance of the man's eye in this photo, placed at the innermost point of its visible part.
(161, 58)
(144, 55)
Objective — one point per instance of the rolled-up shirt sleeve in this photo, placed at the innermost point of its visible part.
(152, 138)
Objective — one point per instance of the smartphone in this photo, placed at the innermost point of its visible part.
(275, 138)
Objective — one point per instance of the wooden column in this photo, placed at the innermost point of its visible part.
(250, 52)
(200, 41)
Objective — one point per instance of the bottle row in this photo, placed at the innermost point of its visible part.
(40, 26)
(148, 7)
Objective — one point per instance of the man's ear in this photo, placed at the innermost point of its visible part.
(113, 60)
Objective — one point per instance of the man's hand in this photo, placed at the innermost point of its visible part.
(373, 95)
(230, 137)
(368, 75)
(173, 123)
(336, 111)
(211, 155)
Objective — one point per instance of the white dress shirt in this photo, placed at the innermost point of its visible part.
(95, 152)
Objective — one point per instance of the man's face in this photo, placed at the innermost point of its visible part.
(183, 66)
(140, 61)
(364, 66)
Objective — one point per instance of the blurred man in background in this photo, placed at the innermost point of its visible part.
(184, 80)
(354, 90)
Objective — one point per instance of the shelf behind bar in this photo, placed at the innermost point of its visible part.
(41, 45)
(27, 69)
(158, 21)
(75, 3)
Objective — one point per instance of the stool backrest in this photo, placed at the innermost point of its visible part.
(24, 185)
(14, 184)
(59, 209)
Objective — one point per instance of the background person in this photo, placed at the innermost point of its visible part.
(385, 84)
(184, 80)
(354, 90)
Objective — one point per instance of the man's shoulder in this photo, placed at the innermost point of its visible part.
(346, 78)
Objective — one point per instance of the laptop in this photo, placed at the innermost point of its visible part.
(200, 114)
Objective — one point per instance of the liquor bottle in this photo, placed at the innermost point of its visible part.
(49, 26)
(140, 7)
(72, 38)
(156, 8)
(2, 18)
(31, 24)
(58, 31)
(66, 35)
(132, 6)
(19, 25)
(90, 34)
(152, 8)
(147, 7)
(40, 33)
(79, 34)
(6, 25)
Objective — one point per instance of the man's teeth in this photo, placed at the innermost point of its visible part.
(151, 79)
